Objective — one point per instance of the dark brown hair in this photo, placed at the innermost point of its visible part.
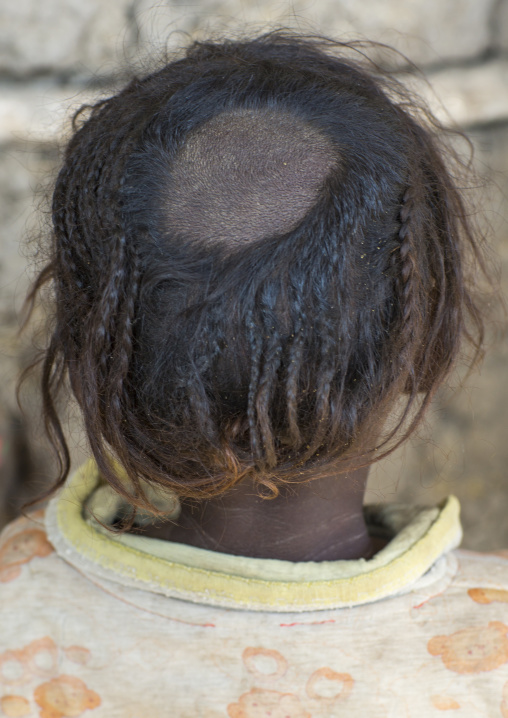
(199, 359)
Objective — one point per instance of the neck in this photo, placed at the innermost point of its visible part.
(321, 520)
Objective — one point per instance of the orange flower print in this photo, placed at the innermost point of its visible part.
(65, 697)
(22, 548)
(325, 684)
(488, 595)
(260, 703)
(444, 703)
(38, 658)
(264, 662)
(323, 688)
(41, 656)
(474, 649)
(15, 706)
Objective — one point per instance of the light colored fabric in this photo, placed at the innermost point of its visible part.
(80, 639)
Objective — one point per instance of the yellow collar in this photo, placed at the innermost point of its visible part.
(421, 537)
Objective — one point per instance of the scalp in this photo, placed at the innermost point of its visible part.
(247, 174)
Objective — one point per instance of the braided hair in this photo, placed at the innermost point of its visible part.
(202, 350)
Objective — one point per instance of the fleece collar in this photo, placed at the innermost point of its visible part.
(77, 520)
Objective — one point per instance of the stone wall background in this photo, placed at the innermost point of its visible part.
(56, 54)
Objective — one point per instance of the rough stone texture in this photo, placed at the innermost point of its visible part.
(62, 35)
(39, 111)
(90, 37)
(428, 32)
(501, 27)
(21, 173)
(24, 460)
(468, 96)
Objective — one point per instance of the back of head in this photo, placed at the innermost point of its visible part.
(257, 251)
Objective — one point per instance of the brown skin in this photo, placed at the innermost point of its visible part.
(321, 520)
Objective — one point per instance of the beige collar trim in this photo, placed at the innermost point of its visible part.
(421, 536)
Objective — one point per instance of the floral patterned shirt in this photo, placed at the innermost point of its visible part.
(104, 626)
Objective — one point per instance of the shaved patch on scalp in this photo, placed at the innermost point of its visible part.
(247, 174)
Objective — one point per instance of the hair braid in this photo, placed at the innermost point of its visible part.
(327, 371)
(409, 290)
(295, 358)
(272, 357)
(109, 270)
(256, 348)
(327, 331)
(202, 359)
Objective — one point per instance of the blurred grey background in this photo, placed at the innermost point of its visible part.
(57, 54)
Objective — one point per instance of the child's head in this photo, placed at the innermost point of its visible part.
(257, 251)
